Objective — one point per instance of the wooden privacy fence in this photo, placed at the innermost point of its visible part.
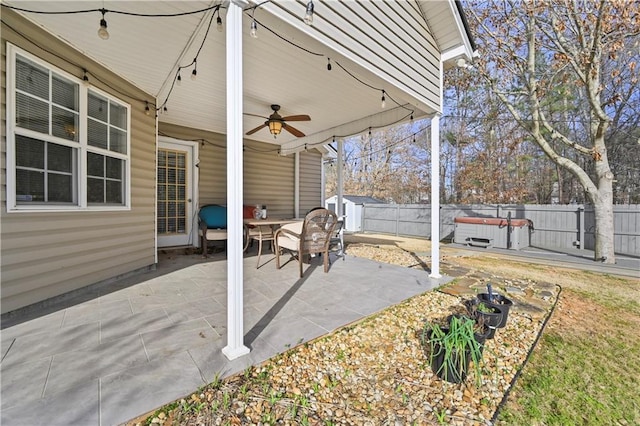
(554, 226)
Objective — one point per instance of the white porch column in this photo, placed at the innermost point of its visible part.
(296, 185)
(235, 327)
(340, 183)
(435, 196)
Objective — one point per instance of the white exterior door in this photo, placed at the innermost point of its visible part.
(177, 183)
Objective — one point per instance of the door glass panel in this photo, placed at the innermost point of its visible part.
(172, 203)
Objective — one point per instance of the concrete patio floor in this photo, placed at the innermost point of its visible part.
(108, 356)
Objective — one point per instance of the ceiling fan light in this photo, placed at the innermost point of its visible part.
(275, 127)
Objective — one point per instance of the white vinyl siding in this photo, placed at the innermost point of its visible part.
(48, 253)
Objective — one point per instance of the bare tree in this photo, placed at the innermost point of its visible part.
(391, 165)
(530, 48)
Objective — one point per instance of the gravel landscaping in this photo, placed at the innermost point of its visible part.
(377, 371)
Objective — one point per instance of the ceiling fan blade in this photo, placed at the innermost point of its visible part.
(301, 117)
(255, 115)
(293, 130)
(250, 132)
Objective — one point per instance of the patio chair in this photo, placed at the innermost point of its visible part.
(261, 234)
(308, 237)
(212, 225)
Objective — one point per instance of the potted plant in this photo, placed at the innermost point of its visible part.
(453, 347)
(497, 301)
(485, 313)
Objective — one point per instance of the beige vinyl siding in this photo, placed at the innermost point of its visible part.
(47, 254)
(390, 38)
(268, 177)
(310, 180)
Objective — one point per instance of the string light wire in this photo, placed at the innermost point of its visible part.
(80, 67)
(216, 9)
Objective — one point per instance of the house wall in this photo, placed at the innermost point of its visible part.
(268, 177)
(212, 168)
(46, 254)
(310, 180)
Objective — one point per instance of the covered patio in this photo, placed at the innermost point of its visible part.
(118, 351)
(351, 67)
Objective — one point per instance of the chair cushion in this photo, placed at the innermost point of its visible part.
(295, 227)
(216, 234)
(247, 212)
(214, 216)
(288, 242)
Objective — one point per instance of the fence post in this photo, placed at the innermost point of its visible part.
(397, 219)
(581, 226)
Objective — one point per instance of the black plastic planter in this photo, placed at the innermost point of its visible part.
(453, 371)
(500, 302)
(454, 347)
(490, 319)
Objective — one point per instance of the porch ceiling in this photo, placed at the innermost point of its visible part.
(148, 50)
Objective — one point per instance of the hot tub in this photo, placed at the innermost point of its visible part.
(492, 232)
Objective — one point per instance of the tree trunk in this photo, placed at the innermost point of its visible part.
(604, 230)
(603, 209)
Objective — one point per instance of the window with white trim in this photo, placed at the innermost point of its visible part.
(68, 143)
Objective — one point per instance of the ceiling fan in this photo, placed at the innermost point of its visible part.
(275, 123)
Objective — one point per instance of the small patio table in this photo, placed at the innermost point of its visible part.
(263, 230)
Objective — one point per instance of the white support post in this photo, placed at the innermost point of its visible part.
(235, 328)
(296, 185)
(435, 196)
(340, 183)
(323, 184)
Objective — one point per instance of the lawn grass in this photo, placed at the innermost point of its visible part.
(585, 369)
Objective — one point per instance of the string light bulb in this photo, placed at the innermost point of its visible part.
(102, 31)
(194, 73)
(383, 100)
(179, 79)
(328, 64)
(254, 29)
(219, 22)
(308, 16)
(165, 109)
(85, 77)
(147, 110)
